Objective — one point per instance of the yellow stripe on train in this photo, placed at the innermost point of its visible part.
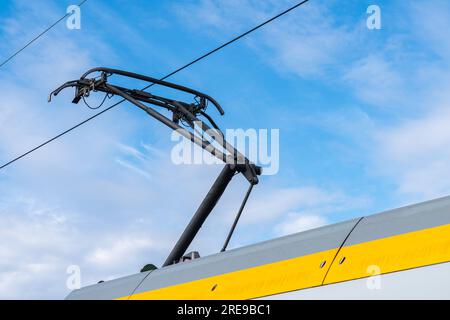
(396, 253)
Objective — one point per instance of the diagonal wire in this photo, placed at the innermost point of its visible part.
(37, 37)
(163, 78)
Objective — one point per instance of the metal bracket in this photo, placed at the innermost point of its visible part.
(181, 112)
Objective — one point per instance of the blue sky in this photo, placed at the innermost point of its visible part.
(363, 118)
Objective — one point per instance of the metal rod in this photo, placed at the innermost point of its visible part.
(236, 220)
(188, 135)
(201, 214)
(234, 155)
(156, 81)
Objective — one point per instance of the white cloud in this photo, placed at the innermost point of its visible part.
(416, 154)
(39, 243)
(298, 222)
(429, 20)
(36, 244)
(375, 81)
(271, 204)
(413, 151)
(306, 42)
(119, 250)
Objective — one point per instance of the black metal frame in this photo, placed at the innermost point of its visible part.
(187, 113)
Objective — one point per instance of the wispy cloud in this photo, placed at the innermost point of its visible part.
(297, 222)
(306, 42)
(416, 153)
(413, 151)
(375, 81)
